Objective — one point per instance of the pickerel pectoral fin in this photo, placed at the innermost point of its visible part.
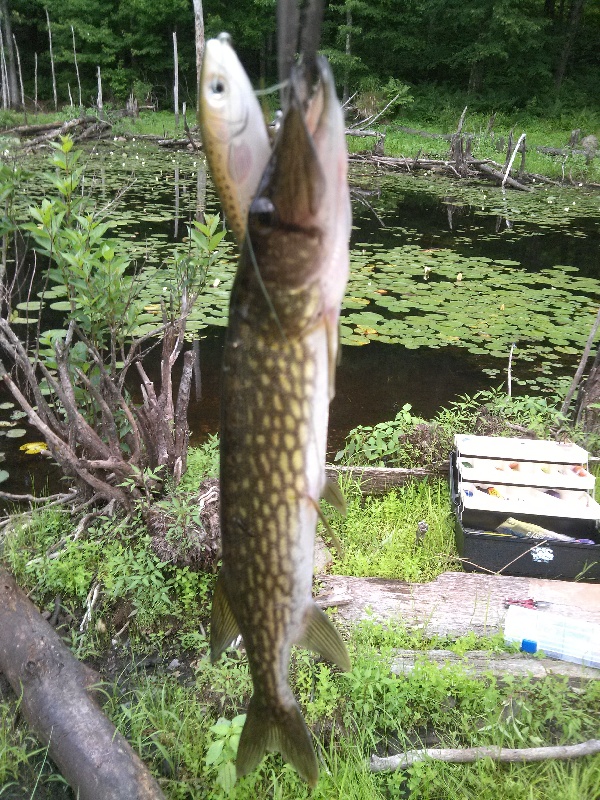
(332, 327)
(322, 637)
(333, 494)
(223, 626)
(332, 534)
(278, 729)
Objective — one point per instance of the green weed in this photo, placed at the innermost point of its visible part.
(380, 535)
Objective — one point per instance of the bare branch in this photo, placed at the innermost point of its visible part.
(471, 754)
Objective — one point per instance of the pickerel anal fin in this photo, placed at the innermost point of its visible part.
(333, 494)
(281, 730)
(223, 626)
(322, 637)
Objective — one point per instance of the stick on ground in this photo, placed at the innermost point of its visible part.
(471, 754)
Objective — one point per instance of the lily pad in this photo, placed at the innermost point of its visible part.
(15, 433)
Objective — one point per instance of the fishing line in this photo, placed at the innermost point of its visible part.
(261, 283)
(272, 89)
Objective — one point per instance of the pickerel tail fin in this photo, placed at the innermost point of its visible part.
(279, 729)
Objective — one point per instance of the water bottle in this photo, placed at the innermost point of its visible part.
(561, 637)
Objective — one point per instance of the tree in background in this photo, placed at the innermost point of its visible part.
(505, 53)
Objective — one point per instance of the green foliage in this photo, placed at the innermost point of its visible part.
(92, 271)
(379, 534)
(222, 750)
(202, 462)
(409, 441)
(45, 556)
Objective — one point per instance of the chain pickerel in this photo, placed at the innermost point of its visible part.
(278, 377)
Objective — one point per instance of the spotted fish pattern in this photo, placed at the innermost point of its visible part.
(278, 366)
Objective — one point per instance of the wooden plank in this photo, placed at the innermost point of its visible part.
(482, 662)
(456, 603)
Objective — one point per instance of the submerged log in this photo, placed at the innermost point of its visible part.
(55, 691)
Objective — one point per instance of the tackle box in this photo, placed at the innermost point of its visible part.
(520, 486)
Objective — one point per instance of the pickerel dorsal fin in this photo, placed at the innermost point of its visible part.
(321, 636)
(223, 626)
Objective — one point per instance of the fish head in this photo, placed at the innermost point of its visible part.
(234, 132)
(299, 221)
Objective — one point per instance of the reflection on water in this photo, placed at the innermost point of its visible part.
(556, 227)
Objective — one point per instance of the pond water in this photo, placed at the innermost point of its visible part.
(446, 275)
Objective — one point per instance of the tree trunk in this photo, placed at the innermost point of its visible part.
(199, 40)
(346, 90)
(99, 100)
(94, 758)
(52, 62)
(11, 65)
(576, 9)
(475, 77)
(175, 79)
(76, 68)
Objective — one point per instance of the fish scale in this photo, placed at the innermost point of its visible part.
(278, 376)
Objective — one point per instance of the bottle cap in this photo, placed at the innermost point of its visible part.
(529, 646)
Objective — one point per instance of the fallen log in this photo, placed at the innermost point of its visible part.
(483, 662)
(469, 755)
(499, 176)
(61, 130)
(455, 603)
(377, 480)
(55, 691)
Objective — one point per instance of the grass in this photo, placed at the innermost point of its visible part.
(185, 721)
(174, 726)
(546, 132)
(540, 133)
(379, 534)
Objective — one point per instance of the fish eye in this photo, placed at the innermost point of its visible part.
(217, 86)
(263, 212)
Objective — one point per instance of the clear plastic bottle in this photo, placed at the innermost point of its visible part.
(561, 637)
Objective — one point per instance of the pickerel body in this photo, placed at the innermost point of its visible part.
(278, 376)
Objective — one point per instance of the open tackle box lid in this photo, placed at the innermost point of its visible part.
(520, 449)
(524, 462)
(534, 488)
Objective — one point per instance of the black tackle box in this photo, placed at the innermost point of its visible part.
(522, 486)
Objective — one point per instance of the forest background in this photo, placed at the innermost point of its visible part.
(536, 56)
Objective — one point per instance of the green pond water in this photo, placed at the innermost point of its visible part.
(445, 276)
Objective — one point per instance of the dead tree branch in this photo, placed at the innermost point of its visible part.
(469, 755)
(55, 690)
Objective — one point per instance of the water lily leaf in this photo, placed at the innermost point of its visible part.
(4, 475)
(16, 433)
(6, 406)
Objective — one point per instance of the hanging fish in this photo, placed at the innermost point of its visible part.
(234, 134)
(278, 378)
